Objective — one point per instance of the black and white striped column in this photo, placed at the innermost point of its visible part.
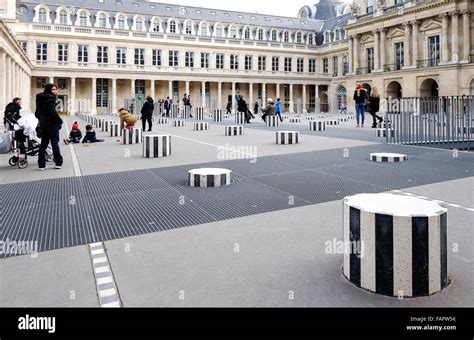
(161, 121)
(310, 118)
(294, 120)
(332, 122)
(174, 110)
(217, 116)
(287, 137)
(383, 132)
(156, 146)
(395, 245)
(384, 125)
(132, 136)
(179, 123)
(199, 113)
(234, 130)
(317, 125)
(272, 121)
(201, 126)
(115, 130)
(186, 112)
(343, 119)
(209, 177)
(106, 125)
(388, 157)
(240, 118)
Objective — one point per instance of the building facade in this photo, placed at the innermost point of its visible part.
(103, 53)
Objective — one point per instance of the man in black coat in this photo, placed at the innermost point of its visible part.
(242, 107)
(147, 113)
(50, 124)
(167, 105)
(12, 113)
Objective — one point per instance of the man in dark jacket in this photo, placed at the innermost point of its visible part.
(12, 113)
(50, 124)
(242, 107)
(167, 106)
(147, 112)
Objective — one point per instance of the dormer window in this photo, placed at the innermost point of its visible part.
(121, 23)
(42, 16)
(247, 33)
(139, 24)
(274, 35)
(102, 21)
(189, 28)
(233, 32)
(286, 37)
(63, 17)
(83, 19)
(298, 38)
(260, 34)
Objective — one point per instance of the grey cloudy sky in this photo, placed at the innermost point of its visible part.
(273, 7)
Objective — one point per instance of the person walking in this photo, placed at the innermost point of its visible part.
(50, 124)
(229, 108)
(167, 106)
(343, 108)
(255, 108)
(12, 113)
(188, 103)
(360, 98)
(242, 107)
(278, 109)
(269, 109)
(147, 113)
(374, 106)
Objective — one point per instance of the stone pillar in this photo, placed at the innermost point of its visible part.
(3, 80)
(187, 87)
(219, 95)
(406, 44)
(132, 87)
(152, 88)
(264, 94)
(8, 80)
(382, 49)
(72, 104)
(317, 102)
(13, 71)
(414, 25)
(51, 80)
(355, 54)
(376, 50)
(203, 94)
(454, 36)
(114, 96)
(466, 31)
(277, 90)
(19, 83)
(233, 97)
(170, 89)
(303, 108)
(291, 108)
(351, 54)
(94, 96)
(251, 96)
(444, 38)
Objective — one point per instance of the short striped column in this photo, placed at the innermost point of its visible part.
(272, 121)
(240, 118)
(156, 146)
(332, 122)
(174, 110)
(201, 126)
(132, 136)
(317, 125)
(209, 177)
(287, 137)
(114, 129)
(285, 116)
(310, 118)
(395, 245)
(343, 120)
(383, 132)
(199, 113)
(106, 125)
(384, 125)
(186, 112)
(179, 123)
(294, 120)
(161, 121)
(226, 116)
(217, 116)
(388, 157)
(234, 130)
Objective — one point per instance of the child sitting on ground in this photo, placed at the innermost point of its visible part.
(128, 118)
(75, 135)
(90, 136)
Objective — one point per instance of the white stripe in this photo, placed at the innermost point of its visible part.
(107, 292)
(402, 256)
(434, 254)
(115, 304)
(102, 270)
(347, 270)
(367, 262)
(99, 260)
(104, 280)
(94, 245)
(97, 251)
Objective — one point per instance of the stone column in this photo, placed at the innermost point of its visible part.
(444, 38)
(94, 96)
(382, 49)
(454, 36)
(406, 45)
(317, 102)
(291, 108)
(414, 25)
(132, 87)
(203, 94)
(219, 95)
(13, 71)
(351, 55)
(51, 80)
(3, 80)
(303, 107)
(152, 88)
(376, 50)
(264, 94)
(251, 96)
(72, 103)
(355, 54)
(233, 96)
(114, 95)
(277, 90)
(187, 87)
(466, 31)
(170, 89)
(8, 80)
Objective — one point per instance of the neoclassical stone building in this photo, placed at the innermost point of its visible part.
(102, 53)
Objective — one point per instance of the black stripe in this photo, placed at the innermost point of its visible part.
(277, 137)
(156, 146)
(444, 250)
(210, 181)
(384, 254)
(223, 179)
(169, 145)
(396, 159)
(297, 137)
(354, 221)
(384, 159)
(290, 138)
(420, 254)
(147, 147)
(197, 180)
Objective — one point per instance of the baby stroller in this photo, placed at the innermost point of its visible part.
(26, 142)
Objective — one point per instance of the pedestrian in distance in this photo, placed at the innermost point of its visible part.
(374, 106)
(278, 109)
(269, 109)
(360, 98)
(147, 113)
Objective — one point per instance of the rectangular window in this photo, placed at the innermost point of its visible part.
(370, 6)
(248, 62)
(41, 83)
(62, 84)
(312, 66)
(288, 64)
(325, 65)
(121, 55)
(275, 64)
(399, 56)
(204, 60)
(370, 59)
(102, 92)
(63, 53)
(156, 57)
(102, 54)
(83, 54)
(346, 64)
(173, 58)
(189, 59)
(300, 65)
(41, 51)
(23, 45)
(140, 87)
(433, 50)
(140, 56)
(219, 61)
(262, 63)
(335, 66)
(234, 61)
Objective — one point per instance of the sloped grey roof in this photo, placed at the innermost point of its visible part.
(339, 21)
(132, 7)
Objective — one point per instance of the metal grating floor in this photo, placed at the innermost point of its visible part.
(73, 211)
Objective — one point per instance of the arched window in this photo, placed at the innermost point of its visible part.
(274, 35)
(247, 33)
(218, 31)
(121, 22)
(233, 32)
(155, 25)
(102, 21)
(172, 26)
(189, 28)
(310, 39)
(63, 17)
(204, 29)
(286, 36)
(139, 24)
(83, 19)
(42, 15)
(260, 34)
(299, 38)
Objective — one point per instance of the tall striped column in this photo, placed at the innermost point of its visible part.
(240, 118)
(156, 146)
(395, 245)
(199, 113)
(186, 112)
(174, 110)
(217, 116)
(115, 130)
